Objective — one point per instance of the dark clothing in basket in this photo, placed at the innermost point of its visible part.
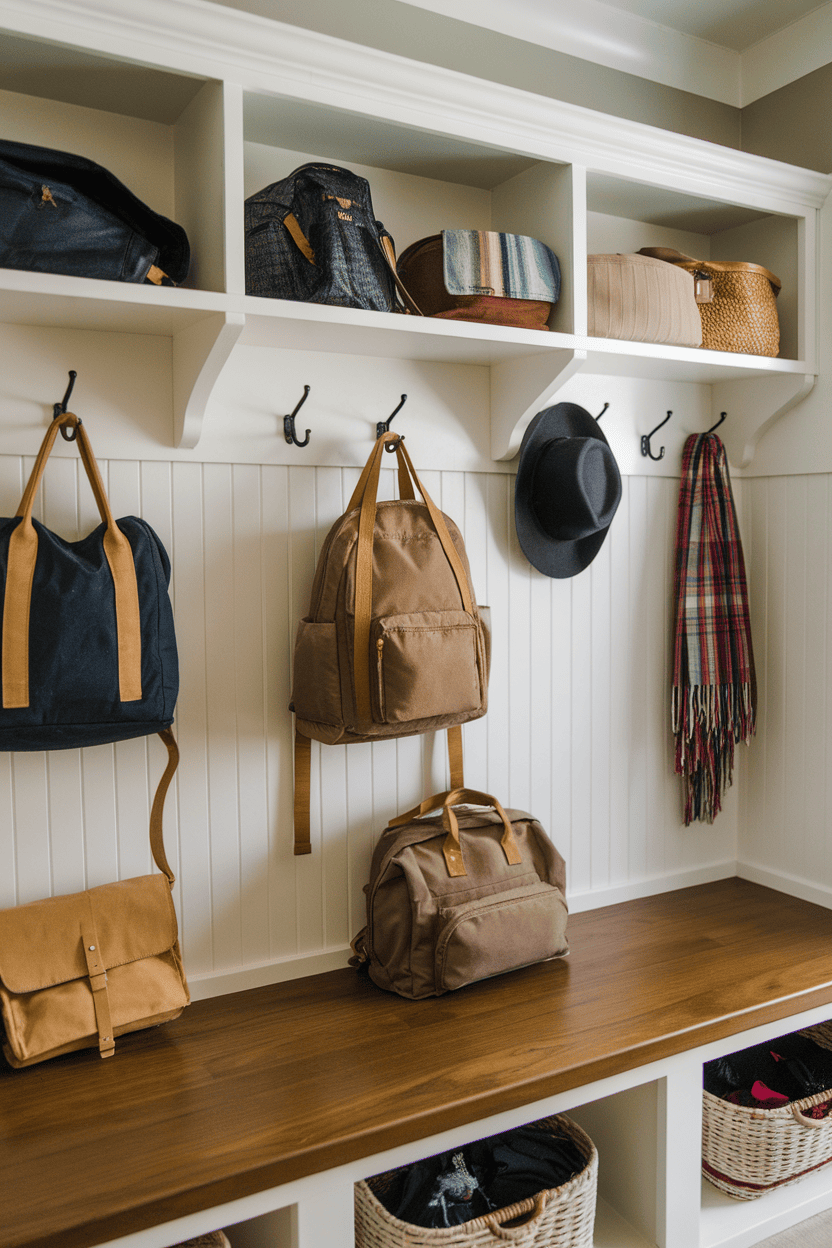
(793, 1065)
(458, 1186)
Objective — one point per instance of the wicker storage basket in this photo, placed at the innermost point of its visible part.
(747, 1152)
(740, 313)
(563, 1217)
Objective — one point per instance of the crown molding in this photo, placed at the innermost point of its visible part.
(607, 36)
(198, 37)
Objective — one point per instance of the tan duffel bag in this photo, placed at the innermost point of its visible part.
(641, 299)
(737, 301)
(461, 895)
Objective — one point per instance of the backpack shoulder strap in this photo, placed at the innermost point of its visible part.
(303, 782)
(303, 789)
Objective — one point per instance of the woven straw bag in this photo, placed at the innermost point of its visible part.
(562, 1217)
(737, 302)
(747, 1152)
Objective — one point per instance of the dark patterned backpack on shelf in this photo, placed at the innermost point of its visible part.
(314, 237)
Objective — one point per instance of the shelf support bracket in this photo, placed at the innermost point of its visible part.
(753, 405)
(522, 387)
(200, 352)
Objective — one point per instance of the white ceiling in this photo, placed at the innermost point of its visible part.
(734, 51)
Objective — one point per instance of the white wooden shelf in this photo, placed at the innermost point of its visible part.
(252, 98)
(528, 366)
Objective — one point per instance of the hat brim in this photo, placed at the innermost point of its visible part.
(551, 556)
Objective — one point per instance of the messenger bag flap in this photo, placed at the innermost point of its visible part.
(41, 945)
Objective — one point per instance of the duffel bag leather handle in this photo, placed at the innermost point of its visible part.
(22, 557)
(452, 850)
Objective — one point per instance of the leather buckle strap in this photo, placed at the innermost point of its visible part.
(97, 973)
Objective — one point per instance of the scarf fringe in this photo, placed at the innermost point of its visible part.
(708, 720)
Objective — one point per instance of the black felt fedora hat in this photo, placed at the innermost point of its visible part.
(568, 488)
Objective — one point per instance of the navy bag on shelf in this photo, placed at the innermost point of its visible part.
(88, 651)
(61, 213)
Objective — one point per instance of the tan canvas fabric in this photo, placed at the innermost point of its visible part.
(393, 643)
(78, 970)
(641, 299)
(433, 927)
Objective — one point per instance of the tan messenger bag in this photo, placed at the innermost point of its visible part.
(77, 971)
(461, 895)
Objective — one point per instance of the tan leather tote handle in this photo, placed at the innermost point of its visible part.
(717, 266)
(157, 840)
(23, 551)
(670, 254)
(365, 495)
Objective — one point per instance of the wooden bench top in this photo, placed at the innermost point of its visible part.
(247, 1091)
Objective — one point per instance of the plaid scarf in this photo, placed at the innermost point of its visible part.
(714, 701)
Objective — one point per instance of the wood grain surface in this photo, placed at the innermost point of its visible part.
(247, 1091)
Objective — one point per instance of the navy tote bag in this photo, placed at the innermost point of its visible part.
(88, 649)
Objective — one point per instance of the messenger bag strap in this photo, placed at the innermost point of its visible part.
(22, 557)
(157, 842)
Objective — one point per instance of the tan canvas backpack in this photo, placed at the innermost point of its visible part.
(461, 895)
(394, 643)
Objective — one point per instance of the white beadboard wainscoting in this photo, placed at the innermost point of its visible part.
(786, 806)
(577, 730)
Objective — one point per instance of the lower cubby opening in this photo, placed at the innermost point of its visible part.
(727, 1221)
(276, 1229)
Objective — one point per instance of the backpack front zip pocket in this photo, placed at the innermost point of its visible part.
(500, 932)
(428, 664)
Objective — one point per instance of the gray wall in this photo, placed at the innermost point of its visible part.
(793, 124)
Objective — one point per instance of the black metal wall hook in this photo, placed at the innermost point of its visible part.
(289, 422)
(722, 416)
(59, 409)
(645, 441)
(601, 413)
(383, 426)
